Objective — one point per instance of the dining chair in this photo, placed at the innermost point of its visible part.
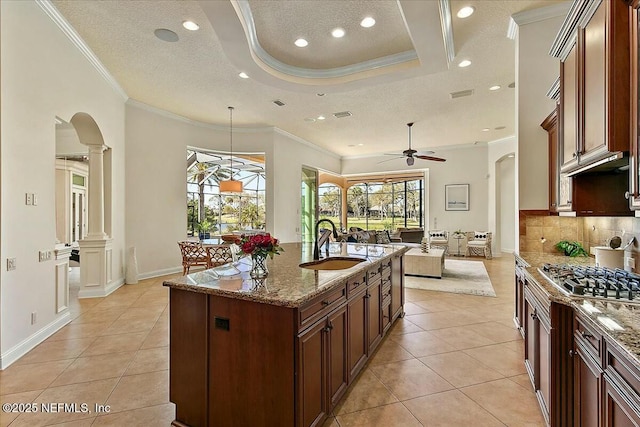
(193, 254)
(220, 255)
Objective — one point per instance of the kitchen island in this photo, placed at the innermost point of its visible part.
(281, 350)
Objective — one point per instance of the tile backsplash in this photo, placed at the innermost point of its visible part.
(540, 233)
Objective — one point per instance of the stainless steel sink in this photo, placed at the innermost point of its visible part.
(333, 263)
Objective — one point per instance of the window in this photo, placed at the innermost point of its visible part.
(330, 198)
(208, 211)
(385, 206)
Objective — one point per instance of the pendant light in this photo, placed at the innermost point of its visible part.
(231, 185)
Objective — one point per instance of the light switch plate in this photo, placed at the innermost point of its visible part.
(34, 199)
(11, 264)
(28, 199)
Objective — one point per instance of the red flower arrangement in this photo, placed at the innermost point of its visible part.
(259, 245)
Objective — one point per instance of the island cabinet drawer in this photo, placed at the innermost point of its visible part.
(373, 274)
(385, 269)
(356, 283)
(624, 373)
(321, 306)
(386, 291)
(588, 336)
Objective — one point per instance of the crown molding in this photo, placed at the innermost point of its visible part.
(554, 90)
(565, 39)
(535, 15)
(307, 143)
(80, 44)
(164, 113)
(447, 29)
(244, 10)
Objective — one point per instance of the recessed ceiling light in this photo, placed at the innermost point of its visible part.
(310, 119)
(464, 63)
(301, 43)
(191, 26)
(466, 12)
(511, 156)
(243, 75)
(337, 33)
(321, 117)
(360, 145)
(368, 22)
(486, 130)
(496, 87)
(166, 35)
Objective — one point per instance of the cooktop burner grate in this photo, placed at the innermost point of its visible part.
(597, 282)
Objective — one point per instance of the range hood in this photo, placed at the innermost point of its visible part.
(614, 162)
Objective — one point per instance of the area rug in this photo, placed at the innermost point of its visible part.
(461, 277)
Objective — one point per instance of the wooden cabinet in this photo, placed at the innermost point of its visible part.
(634, 162)
(518, 316)
(397, 287)
(587, 368)
(374, 315)
(293, 364)
(358, 343)
(593, 46)
(621, 400)
(550, 124)
(568, 148)
(548, 340)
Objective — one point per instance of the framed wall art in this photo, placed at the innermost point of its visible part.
(456, 197)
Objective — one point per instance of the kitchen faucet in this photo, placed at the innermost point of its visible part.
(320, 240)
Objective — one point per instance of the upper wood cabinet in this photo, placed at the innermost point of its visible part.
(593, 46)
(634, 200)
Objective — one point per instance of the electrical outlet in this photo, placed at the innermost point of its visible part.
(44, 255)
(11, 264)
(630, 262)
(34, 317)
(28, 199)
(34, 199)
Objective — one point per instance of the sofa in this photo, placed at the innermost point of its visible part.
(356, 234)
(409, 235)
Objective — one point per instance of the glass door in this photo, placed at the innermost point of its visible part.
(309, 204)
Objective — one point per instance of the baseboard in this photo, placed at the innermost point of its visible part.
(99, 292)
(22, 348)
(158, 273)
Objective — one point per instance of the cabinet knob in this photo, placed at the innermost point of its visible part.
(586, 335)
(627, 195)
(325, 302)
(571, 353)
(575, 154)
(534, 316)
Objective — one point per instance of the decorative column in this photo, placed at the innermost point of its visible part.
(96, 250)
(96, 192)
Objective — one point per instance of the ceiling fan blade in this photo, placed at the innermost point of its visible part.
(424, 153)
(435, 159)
(399, 157)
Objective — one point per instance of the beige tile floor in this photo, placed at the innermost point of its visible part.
(453, 360)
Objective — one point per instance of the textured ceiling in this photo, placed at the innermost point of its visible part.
(197, 78)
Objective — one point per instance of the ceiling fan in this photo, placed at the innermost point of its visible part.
(412, 154)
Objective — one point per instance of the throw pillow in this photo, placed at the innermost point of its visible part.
(480, 235)
(382, 237)
(424, 245)
(362, 237)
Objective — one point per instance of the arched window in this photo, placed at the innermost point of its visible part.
(209, 211)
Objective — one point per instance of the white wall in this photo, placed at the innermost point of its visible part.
(156, 215)
(501, 196)
(43, 75)
(464, 165)
(506, 204)
(536, 71)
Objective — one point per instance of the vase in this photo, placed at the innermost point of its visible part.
(258, 266)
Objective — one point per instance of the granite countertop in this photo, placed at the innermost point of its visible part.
(287, 284)
(600, 312)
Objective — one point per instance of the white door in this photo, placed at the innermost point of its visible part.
(78, 214)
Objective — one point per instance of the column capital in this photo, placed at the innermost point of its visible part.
(97, 149)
